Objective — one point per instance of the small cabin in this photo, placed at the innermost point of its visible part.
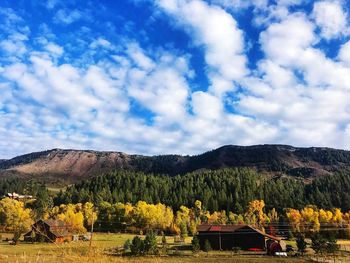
(227, 237)
(53, 231)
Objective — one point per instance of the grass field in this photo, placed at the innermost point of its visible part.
(103, 246)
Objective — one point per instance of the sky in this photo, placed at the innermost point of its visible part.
(173, 76)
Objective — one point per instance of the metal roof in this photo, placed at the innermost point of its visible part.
(232, 228)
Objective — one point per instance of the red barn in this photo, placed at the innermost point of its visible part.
(226, 237)
(55, 231)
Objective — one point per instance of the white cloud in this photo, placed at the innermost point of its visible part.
(100, 42)
(138, 56)
(331, 18)
(215, 30)
(344, 53)
(302, 93)
(54, 49)
(121, 95)
(206, 106)
(162, 89)
(50, 4)
(13, 48)
(298, 36)
(67, 17)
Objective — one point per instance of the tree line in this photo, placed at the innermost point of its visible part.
(224, 189)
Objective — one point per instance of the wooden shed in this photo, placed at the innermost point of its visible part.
(55, 231)
(226, 237)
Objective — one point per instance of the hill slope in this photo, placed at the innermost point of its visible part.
(73, 165)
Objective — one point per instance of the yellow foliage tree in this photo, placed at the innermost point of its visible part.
(15, 217)
(255, 214)
(90, 215)
(72, 214)
(294, 218)
(325, 216)
(337, 216)
(152, 216)
(309, 219)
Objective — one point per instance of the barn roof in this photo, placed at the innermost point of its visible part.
(57, 227)
(55, 223)
(232, 228)
(219, 228)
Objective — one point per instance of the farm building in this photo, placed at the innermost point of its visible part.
(55, 231)
(226, 237)
(19, 197)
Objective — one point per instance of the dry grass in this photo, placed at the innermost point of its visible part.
(78, 252)
(100, 258)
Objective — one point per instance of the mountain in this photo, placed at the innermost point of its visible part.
(278, 160)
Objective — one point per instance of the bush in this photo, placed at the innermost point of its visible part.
(236, 249)
(301, 244)
(318, 243)
(127, 244)
(207, 246)
(137, 246)
(150, 243)
(332, 245)
(195, 244)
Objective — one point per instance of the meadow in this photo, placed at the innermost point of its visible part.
(105, 249)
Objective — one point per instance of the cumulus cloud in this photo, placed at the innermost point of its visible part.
(54, 49)
(100, 42)
(331, 18)
(67, 17)
(344, 53)
(217, 31)
(302, 92)
(103, 91)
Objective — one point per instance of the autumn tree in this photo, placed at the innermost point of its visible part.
(310, 219)
(15, 217)
(89, 213)
(272, 221)
(183, 219)
(255, 213)
(72, 215)
(294, 219)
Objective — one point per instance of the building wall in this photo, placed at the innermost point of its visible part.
(244, 238)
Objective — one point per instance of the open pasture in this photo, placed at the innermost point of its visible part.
(103, 250)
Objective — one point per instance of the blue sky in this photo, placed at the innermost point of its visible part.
(173, 76)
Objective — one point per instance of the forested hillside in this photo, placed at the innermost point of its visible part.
(224, 189)
(70, 166)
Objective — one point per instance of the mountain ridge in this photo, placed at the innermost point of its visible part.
(283, 160)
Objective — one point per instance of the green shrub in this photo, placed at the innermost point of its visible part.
(150, 243)
(137, 246)
(207, 246)
(195, 244)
